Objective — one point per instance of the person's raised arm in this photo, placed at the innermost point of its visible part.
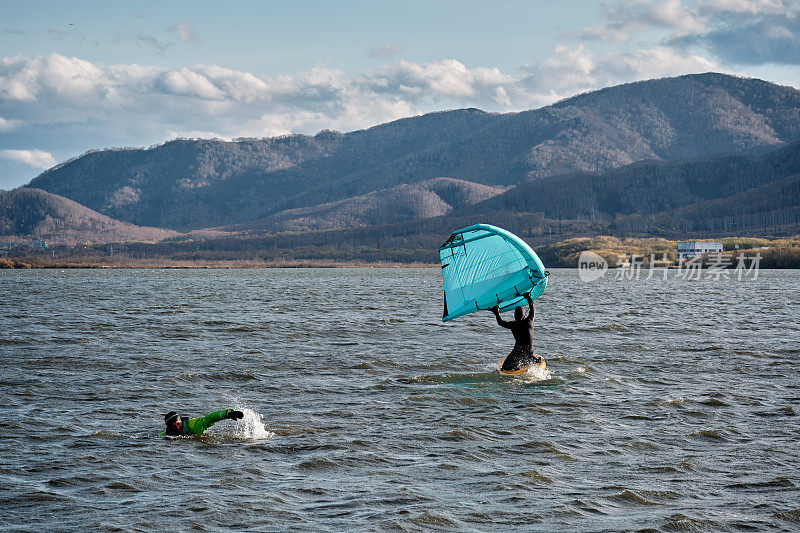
(202, 423)
(496, 311)
(531, 308)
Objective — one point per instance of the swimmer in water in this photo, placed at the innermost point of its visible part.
(522, 355)
(177, 425)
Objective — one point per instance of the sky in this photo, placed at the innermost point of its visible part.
(84, 75)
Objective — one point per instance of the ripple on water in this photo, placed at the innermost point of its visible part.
(630, 497)
(682, 522)
(783, 482)
(536, 476)
(543, 447)
(122, 486)
(316, 464)
(792, 515)
(715, 435)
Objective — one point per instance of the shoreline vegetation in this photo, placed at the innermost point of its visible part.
(777, 253)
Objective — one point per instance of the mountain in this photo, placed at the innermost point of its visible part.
(426, 199)
(646, 188)
(194, 184)
(33, 214)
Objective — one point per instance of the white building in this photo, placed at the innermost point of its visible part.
(689, 249)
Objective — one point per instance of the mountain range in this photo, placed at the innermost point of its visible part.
(700, 152)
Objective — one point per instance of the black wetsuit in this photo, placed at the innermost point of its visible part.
(522, 355)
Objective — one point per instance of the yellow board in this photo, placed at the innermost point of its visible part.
(541, 365)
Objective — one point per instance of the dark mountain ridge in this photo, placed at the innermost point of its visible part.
(192, 184)
(647, 187)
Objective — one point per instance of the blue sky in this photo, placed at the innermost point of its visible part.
(76, 76)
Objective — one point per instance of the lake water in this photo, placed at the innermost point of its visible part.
(670, 405)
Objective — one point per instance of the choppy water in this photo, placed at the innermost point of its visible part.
(672, 405)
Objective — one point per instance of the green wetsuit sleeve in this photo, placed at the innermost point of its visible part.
(195, 426)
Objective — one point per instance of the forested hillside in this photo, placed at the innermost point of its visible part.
(33, 214)
(651, 187)
(426, 199)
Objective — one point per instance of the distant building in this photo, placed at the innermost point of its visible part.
(689, 249)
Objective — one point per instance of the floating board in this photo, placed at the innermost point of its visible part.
(542, 366)
(484, 266)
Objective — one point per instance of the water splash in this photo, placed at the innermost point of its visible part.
(251, 427)
(535, 373)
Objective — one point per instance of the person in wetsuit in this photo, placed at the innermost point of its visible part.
(177, 425)
(522, 327)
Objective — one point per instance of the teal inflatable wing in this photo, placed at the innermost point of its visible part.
(484, 266)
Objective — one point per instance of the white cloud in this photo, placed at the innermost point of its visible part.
(26, 79)
(629, 17)
(669, 14)
(185, 32)
(573, 70)
(187, 82)
(652, 63)
(746, 7)
(440, 81)
(35, 158)
(237, 85)
(8, 124)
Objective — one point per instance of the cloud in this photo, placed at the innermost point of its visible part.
(187, 82)
(161, 47)
(65, 79)
(13, 31)
(388, 51)
(748, 33)
(153, 103)
(610, 33)
(185, 32)
(572, 70)
(8, 125)
(739, 32)
(746, 7)
(652, 63)
(35, 158)
(629, 17)
(665, 14)
(753, 44)
(68, 34)
(438, 81)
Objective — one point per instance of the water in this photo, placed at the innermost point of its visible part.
(671, 405)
